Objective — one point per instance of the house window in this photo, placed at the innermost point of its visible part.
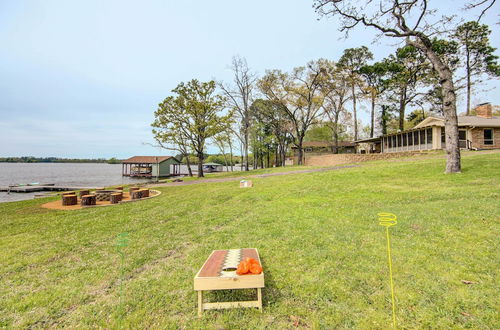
(443, 136)
(404, 140)
(415, 138)
(410, 138)
(429, 135)
(399, 140)
(488, 136)
(462, 134)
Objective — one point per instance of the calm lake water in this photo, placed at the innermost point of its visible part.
(62, 174)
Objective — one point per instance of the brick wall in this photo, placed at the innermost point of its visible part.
(338, 159)
(477, 135)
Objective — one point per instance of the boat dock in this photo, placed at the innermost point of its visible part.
(37, 188)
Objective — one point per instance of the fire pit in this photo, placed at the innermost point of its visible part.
(104, 195)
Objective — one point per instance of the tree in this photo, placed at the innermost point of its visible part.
(275, 117)
(221, 143)
(336, 87)
(408, 71)
(385, 117)
(195, 111)
(375, 84)
(474, 42)
(299, 94)
(224, 139)
(319, 132)
(170, 135)
(416, 116)
(352, 60)
(239, 97)
(416, 23)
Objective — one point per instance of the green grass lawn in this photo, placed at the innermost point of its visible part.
(324, 253)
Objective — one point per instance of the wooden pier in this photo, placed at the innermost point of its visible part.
(37, 188)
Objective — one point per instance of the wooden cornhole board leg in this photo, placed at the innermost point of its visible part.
(230, 304)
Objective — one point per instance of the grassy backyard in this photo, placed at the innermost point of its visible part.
(323, 251)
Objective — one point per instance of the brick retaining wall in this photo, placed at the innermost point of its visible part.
(338, 159)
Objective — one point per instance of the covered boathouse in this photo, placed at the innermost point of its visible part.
(151, 166)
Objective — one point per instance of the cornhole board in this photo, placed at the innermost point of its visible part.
(246, 184)
(219, 273)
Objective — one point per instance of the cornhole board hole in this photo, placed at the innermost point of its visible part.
(246, 184)
(219, 273)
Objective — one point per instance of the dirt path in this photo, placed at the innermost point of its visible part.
(238, 178)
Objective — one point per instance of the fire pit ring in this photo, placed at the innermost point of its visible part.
(104, 195)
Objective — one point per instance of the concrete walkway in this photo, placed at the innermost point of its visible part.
(238, 178)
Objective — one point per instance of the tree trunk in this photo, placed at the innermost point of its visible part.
(225, 162)
(453, 164)
(230, 153)
(301, 154)
(190, 172)
(200, 164)
(383, 119)
(245, 146)
(468, 82)
(283, 155)
(354, 112)
(402, 109)
(336, 131)
(372, 114)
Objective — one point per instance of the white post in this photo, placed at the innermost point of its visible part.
(157, 170)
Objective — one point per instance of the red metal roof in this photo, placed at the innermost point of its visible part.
(147, 159)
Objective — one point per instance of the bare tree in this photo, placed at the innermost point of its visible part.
(417, 24)
(300, 95)
(336, 89)
(272, 115)
(240, 96)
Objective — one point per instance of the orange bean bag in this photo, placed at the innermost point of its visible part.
(249, 265)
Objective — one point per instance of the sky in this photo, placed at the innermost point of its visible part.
(82, 79)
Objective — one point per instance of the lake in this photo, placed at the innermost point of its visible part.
(62, 174)
(67, 174)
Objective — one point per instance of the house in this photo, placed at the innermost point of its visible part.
(151, 166)
(481, 131)
(325, 147)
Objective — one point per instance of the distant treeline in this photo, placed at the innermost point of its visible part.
(30, 159)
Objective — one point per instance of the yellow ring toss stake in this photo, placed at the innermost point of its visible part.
(388, 220)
